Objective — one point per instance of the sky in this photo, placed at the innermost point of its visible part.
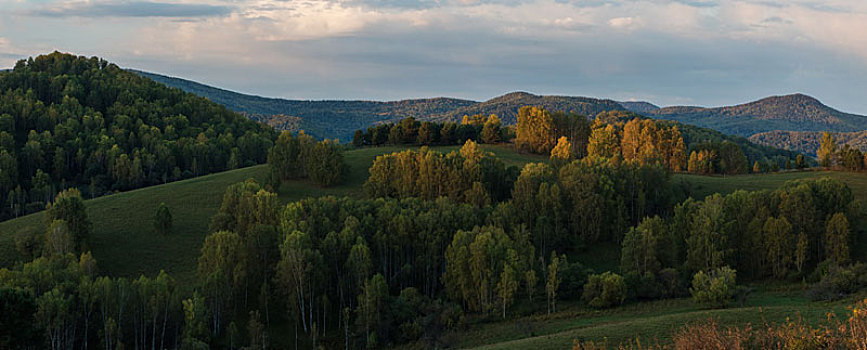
(668, 52)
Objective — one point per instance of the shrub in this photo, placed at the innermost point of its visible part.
(163, 219)
(715, 288)
(605, 290)
(838, 282)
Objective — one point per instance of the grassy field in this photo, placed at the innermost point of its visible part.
(702, 186)
(649, 322)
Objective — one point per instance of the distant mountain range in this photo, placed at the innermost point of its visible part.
(323, 119)
(339, 119)
(506, 107)
(797, 112)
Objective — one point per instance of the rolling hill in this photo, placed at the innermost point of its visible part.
(795, 112)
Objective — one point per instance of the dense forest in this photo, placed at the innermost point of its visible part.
(68, 121)
(352, 273)
(807, 142)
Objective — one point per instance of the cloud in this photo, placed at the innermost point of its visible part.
(130, 9)
(671, 51)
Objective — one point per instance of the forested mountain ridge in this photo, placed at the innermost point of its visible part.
(796, 112)
(640, 107)
(807, 142)
(322, 119)
(506, 107)
(72, 121)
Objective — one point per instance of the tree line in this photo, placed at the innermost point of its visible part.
(300, 156)
(469, 175)
(409, 131)
(68, 121)
(845, 157)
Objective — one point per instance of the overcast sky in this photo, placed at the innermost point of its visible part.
(699, 52)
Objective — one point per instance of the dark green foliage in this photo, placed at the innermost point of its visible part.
(838, 281)
(17, 307)
(715, 288)
(428, 174)
(83, 122)
(605, 290)
(163, 219)
(807, 142)
(326, 166)
(69, 207)
(297, 157)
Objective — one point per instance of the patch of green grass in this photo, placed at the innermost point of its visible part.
(702, 186)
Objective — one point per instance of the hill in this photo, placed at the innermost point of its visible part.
(807, 142)
(795, 112)
(70, 121)
(640, 107)
(506, 106)
(323, 119)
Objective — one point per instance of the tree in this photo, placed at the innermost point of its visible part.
(491, 130)
(58, 240)
(561, 154)
(641, 247)
(534, 130)
(372, 303)
(68, 206)
(296, 270)
(715, 288)
(837, 239)
(222, 268)
(553, 282)
(605, 290)
(507, 286)
(283, 157)
(326, 165)
(827, 149)
(163, 219)
(779, 245)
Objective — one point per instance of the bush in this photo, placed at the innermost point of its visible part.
(714, 289)
(163, 219)
(605, 290)
(838, 282)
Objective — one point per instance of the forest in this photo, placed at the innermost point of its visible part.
(68, 121)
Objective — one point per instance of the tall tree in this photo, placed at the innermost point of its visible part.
(827, 149)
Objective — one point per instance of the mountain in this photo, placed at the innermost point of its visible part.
(323, 119)
(506, 106)
(797, 112)
(639, 107)
(807, 142)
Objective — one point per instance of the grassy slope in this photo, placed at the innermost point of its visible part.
(649, 321)
(122, 223)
